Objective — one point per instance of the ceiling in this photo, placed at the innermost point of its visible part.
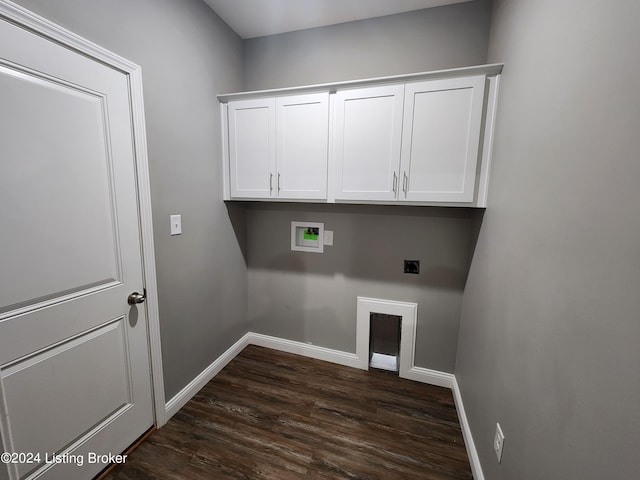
(256, 18)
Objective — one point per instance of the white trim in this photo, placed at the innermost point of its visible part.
(148, 249)
(224, 126)
(300, 245)
(472, 453)
(432, 377)
(330, 153)
(418, 374)
(409, 314)
(23, 17)
(490, 69)
(45, 28)
(305, 349)
(194, 386)
(488, 136)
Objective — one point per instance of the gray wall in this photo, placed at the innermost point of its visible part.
(424, 40)
(310, 297)
(551, 323)
(188, 55)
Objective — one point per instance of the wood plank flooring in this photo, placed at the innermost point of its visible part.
(273, 415)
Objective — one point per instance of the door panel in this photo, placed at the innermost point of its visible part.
(74, 361)
(252, 148)
(302, 124)
(39, 117)
(100, 389)
(440, 145)
(368, 132)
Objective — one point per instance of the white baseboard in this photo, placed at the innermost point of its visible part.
(472, 453)
(188, 392)
(299, 348)
(432, 377)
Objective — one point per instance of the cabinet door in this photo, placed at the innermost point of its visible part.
(252, 148)
(441, 139)
(367, 138)
(302, 125)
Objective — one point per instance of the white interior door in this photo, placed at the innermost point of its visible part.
(74, 358)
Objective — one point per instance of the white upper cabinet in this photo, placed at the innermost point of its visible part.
(252, 147)
(441, 139)
(302, 131)
(367, 133)
(416, 139)
(278, 147)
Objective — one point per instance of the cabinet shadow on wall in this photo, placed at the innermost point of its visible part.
(237, 217)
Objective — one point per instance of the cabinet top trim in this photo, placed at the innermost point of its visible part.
(491, 69)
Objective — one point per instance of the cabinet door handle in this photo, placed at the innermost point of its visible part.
(395, 182)
(278, 181)
(405, 183)
(271, 182)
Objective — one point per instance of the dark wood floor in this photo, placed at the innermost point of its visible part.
(273, 415)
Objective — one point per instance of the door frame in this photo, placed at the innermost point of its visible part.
(22, 17)
(408, 311)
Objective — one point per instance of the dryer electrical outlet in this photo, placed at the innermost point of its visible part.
(412, 266)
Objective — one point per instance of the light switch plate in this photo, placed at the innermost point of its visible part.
(176, 224)
(328, 237)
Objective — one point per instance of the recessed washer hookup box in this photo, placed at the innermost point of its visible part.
(307, 237)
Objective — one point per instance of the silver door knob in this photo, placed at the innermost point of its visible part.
(135, 297)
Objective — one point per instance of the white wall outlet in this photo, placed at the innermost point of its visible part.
(498, 442)
(176, 224)
(328, 237)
